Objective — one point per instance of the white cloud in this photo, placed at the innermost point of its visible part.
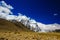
(5, 10)
(55, 14)
(2, 3)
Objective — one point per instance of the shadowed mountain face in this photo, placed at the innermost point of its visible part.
(12, 26)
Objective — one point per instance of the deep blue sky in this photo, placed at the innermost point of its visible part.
(40, 10)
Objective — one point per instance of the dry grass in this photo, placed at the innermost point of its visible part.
(29, 36)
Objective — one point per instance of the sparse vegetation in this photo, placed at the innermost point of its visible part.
(3, 39)
(11, 31)
(30, 36)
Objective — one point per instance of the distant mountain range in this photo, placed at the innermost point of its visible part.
(8, 21)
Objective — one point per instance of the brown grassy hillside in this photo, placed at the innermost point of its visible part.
(11, 26)
(17, 31)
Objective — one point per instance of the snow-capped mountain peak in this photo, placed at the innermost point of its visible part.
(5, 11)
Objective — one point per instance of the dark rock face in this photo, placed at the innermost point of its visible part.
(57, 30)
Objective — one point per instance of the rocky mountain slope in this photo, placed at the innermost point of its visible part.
(17, 31)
